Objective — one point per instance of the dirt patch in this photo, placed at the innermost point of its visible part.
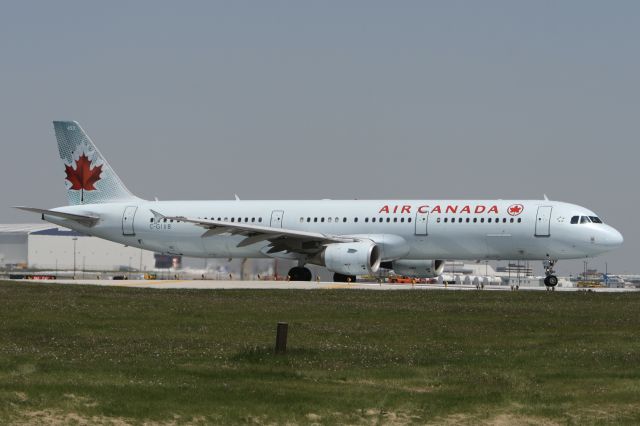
(504, 419)
(56, 417)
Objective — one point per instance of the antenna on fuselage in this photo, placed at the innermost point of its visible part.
(545, 197)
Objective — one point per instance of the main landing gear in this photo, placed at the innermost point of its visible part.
(550, 279)
(341, 278)
(300, 273)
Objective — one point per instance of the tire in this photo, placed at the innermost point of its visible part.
(341, 278)
(299, 273)
(551, 281)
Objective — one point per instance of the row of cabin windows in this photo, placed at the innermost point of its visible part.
(219, 219)
(355, 219)
(481, 220)
(583, 219)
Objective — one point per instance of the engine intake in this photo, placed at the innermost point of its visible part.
(357, 258)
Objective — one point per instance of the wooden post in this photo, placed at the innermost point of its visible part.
(281, 337)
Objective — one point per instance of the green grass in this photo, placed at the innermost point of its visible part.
(108, 355)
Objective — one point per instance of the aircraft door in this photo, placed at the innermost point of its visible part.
(543, 221)
(276, 218)
(421, 223)
(127, 220)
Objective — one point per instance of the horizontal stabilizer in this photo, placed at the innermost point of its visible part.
(82, 219)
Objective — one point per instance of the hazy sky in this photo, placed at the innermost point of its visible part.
(398, 99)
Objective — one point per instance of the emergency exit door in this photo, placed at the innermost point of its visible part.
(127, 220)
(543, 221)
(276, 218)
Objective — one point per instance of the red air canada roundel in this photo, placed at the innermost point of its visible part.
(515, 209)
(83, 176)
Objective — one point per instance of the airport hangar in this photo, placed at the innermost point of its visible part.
(51, 248)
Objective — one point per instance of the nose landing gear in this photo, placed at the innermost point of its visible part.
(550, 279)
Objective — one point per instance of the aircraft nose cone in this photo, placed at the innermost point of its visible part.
(613, 237)
(618, 239)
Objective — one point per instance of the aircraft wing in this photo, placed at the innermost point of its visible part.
(82, 219)
(281, 239)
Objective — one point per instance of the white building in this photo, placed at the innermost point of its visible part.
(51, 247)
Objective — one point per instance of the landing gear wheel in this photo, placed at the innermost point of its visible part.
(300, 273)
(550, 280)
(341, 278)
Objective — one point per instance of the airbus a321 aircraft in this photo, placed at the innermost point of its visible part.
(348, 237)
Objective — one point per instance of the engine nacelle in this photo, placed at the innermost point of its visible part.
(357, 258)
(418, 268)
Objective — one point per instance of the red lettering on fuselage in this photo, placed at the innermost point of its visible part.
(450, 208)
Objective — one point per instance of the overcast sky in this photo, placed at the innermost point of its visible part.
(450, 99)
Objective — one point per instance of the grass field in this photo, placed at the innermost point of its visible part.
(106, 355)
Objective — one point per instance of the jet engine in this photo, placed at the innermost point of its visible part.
(417, 268)
(358, 258)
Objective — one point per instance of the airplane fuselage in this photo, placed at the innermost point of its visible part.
(403, 229)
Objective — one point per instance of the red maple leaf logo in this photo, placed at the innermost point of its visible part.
(83, 176)
(515, 209)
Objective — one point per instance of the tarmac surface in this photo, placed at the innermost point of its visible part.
(304, 285)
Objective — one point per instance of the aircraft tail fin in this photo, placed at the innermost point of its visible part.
(88, 177)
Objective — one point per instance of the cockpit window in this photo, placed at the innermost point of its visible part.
(575, 219)
(585, 219)
(595, 219)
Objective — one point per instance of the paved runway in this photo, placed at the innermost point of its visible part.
(303, 285)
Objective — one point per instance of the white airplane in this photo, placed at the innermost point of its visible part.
(348, 237)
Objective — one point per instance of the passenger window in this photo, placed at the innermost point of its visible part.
(438, 220)
(402, 220)
(519, 219)
(468, 220)
(315, 219)
(395, 219)
(344, 219)
(575, 219)
(259, 219)
(446, 220)
(233, 219)
(409, 220)
(459, 220)
(511, 220)
(329, 219)
(151, 220)
(308, 219)
(489, 220)
(388, 219)
(366, 219)
(504, 220)
(482, 220)
(585, 219)
(322, 219)
(355, 219)
(475, 220)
